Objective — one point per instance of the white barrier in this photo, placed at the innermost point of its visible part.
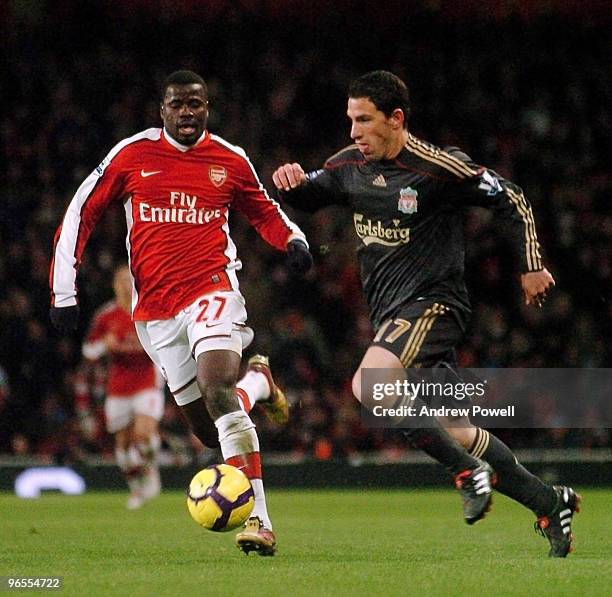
(32, 481)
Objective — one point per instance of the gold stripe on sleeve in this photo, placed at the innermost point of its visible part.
(442, 158)
(532, 247)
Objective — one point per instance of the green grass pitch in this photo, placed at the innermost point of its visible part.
(330, 543)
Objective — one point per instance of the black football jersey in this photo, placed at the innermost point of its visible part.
(408, 220)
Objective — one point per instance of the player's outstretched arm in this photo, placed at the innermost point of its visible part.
(310, 191)
(536, 285)
(289, 176)
(102, 186)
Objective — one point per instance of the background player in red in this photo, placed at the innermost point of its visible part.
(134, 401)
(177, 185)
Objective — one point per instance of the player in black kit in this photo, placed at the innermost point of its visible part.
(408, 198)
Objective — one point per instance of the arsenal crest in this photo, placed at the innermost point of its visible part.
(217, 175)
(407, 203)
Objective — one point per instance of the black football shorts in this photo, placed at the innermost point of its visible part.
(421, 334)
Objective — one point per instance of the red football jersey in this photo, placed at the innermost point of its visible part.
(177, 201)
(130, 369)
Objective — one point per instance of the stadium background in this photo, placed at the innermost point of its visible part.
(521, 87)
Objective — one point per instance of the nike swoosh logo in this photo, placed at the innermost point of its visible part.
(145, 174)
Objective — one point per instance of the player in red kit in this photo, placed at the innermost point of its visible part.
(177, 185)
(134, 400)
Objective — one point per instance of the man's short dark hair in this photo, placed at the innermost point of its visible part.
(184, 77)
(385, 90)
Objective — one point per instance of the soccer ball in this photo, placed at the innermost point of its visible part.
(220, 498)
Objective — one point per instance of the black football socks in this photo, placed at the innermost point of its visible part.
(513, 479)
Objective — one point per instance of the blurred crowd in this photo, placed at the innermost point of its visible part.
(529, 97)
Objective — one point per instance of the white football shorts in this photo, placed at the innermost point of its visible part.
(119, 411)
(215, 321)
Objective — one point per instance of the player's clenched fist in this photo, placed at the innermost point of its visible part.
(288, 176)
